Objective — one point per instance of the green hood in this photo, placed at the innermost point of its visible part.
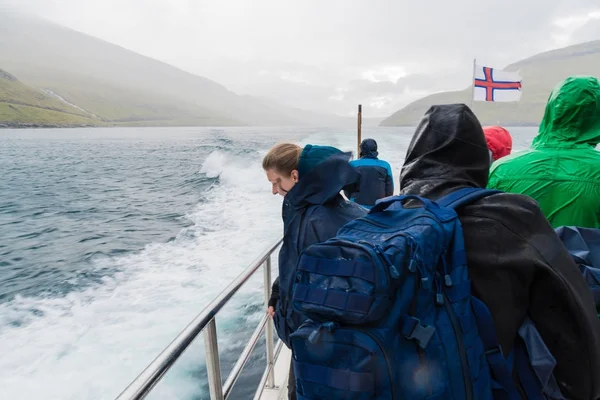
(572, 115)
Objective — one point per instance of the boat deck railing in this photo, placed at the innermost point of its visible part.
(205, 323)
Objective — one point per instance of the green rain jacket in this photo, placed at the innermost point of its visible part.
(561, 170)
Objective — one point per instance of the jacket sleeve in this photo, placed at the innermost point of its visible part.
(274, 293)
(522, 253)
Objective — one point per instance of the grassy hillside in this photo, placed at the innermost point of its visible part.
(15, 115)
(540, 74)
(21, 105)
(122, 104)
(120, 86)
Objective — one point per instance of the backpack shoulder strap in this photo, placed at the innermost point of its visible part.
(464, 196)
(499, 366)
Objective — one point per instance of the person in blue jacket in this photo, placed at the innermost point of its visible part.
(310, 180)
(376, 180)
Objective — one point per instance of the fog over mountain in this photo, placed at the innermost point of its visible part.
(324, 57)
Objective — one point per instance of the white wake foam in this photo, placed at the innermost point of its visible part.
(90, 344)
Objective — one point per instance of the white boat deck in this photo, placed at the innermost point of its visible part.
(282, 369)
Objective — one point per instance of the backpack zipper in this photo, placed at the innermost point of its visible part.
(449, 310)
(410, 240)
(461, 348)
(380, 251)
(385, 355)
(455, 325)
(368, 249)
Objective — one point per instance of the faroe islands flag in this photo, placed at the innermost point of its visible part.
(493, 84)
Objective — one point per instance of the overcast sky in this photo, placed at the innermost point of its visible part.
(330, 55)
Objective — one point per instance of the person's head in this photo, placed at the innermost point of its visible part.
(287, 163)
(498, 141)
(368, 148)
(572, 114)
(448, 150)
(281, 167)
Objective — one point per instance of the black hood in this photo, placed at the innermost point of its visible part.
(448, 151)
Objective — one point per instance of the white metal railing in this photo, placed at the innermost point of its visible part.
(205, 322)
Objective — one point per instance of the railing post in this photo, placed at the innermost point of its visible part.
(213, 365)
(269, 327)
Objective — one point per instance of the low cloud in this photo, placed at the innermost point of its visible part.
(330, 55)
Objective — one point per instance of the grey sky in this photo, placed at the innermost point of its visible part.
(330, 55)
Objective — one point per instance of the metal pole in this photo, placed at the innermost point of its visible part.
(243, 359)
(473, 83)
(269, 329)
(359, 131)
(261, 385)
(213, 366)
(152, 374)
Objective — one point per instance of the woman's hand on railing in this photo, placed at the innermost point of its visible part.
(271, 311)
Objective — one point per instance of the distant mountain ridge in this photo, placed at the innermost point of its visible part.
(540, 73)
(122, 87)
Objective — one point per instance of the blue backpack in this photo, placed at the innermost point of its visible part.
(392, 315)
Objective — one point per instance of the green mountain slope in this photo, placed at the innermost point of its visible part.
(540, 74)
(21, 105)
(120, 86)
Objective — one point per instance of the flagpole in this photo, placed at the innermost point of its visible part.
(473, 83)
(358, 131)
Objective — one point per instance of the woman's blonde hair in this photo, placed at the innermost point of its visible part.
(283, 158)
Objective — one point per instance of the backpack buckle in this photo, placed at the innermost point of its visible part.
(413, 330)
(315, 335)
